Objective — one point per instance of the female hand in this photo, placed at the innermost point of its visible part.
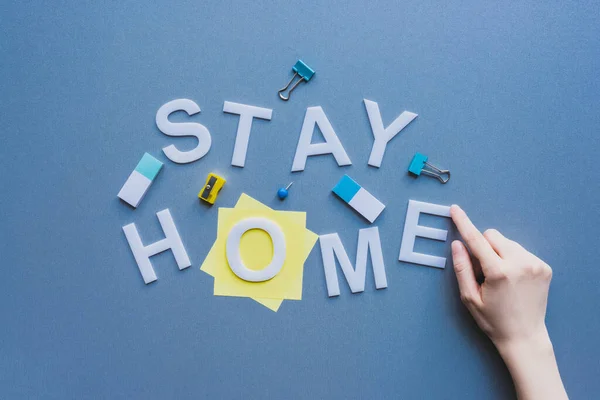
(510, 305)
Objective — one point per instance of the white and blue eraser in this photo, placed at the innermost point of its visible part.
(358, 198)
(139, 181)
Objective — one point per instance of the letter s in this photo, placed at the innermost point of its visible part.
(195, 129)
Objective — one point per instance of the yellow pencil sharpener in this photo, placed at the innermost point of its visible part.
(211, 188)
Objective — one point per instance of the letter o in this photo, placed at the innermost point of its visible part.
(232, 249)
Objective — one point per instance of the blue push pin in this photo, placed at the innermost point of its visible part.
(282, 193)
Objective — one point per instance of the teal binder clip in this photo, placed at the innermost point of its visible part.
(418, 166)
(303, 71)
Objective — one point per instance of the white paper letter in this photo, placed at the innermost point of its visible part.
(332, 145)
(232, 249)
(332, 247)
(384, 135)
(183, 129)
(171, 241)
(412, 229)
(246, 113)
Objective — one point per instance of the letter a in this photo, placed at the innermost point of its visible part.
(332, 145)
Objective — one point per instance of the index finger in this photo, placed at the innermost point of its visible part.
(475, 241)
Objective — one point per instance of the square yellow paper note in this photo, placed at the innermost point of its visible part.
(252, 254)
(287, 284)
(209, 266)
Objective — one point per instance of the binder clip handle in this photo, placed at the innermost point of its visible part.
(442, 175)
(300, 70)
(282, 90)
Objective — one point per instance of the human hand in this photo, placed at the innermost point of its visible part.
(510, 305)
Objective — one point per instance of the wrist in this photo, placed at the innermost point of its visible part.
(526, 349)
(532, 365)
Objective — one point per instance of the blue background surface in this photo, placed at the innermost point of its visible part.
(507, 97)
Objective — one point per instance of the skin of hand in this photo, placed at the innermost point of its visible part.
(509, 306)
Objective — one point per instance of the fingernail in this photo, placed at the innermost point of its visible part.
(453, 210)
(455, 247)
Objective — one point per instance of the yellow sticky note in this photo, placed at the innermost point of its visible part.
(209, 265)
(256, 251)
(287, 284)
